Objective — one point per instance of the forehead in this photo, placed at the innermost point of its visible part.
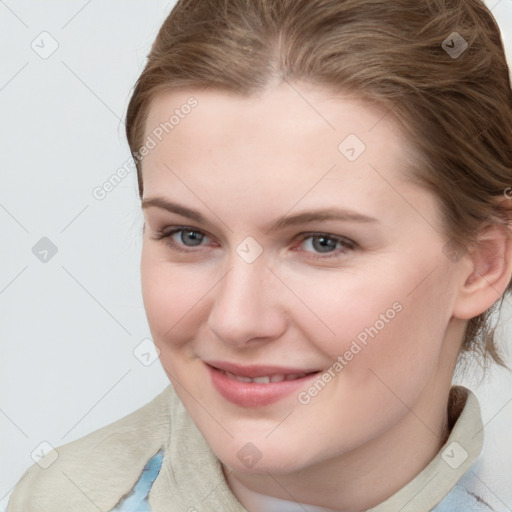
(294, 110)
(295, 121)
(289, 143)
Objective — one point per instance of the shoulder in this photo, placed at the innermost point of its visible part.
(93, 472)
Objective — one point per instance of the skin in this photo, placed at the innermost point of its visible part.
(244, 163)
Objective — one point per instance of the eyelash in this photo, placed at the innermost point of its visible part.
(166, 236)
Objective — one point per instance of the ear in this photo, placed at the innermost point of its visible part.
(486, 272)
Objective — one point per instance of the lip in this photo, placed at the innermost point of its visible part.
(250, 394)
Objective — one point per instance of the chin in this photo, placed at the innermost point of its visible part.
(262, 458)
(275, 466)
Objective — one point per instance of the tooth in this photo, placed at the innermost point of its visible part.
(294, 376)
(238, 377)
(243, 379)
(277, 378)
(261, 380)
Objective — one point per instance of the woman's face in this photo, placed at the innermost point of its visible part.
(303, 248)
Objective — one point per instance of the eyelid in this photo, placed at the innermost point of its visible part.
(340, 238)
(169, 231)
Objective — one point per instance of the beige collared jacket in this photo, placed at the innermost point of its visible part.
(95, 472)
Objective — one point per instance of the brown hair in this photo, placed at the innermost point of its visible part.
(407, 56)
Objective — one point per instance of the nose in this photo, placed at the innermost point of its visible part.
(248, 304)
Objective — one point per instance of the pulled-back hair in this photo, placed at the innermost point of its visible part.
(409, 57)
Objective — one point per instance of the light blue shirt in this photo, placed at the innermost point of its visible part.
(137, 500)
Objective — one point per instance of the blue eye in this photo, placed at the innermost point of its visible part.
(187, 237)
(329, 245)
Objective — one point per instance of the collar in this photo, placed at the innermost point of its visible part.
(439, 477)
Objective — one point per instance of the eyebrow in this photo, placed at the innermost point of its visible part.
(324, 214)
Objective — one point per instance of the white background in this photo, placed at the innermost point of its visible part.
(69, 326)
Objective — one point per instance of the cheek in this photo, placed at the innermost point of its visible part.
(339, 307)
(172, 297)
(384, 320)
(407, 348)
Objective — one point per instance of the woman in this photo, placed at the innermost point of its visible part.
(326, 235)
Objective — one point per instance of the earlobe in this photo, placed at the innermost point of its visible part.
(489, 265)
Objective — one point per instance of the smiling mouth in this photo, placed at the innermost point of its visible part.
(257, 385)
